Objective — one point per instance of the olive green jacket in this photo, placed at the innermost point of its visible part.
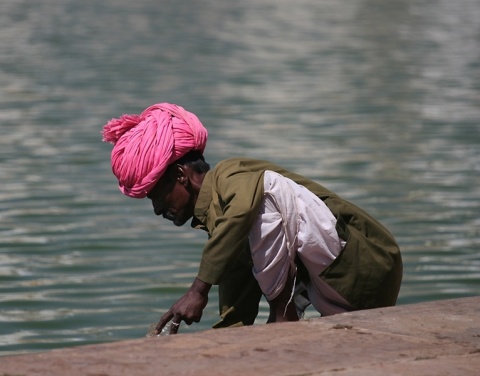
(368, 271)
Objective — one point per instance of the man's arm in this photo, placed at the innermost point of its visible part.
(237, 195)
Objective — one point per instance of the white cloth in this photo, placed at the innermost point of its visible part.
(292, 222)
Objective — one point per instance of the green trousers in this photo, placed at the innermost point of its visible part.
(239, 296)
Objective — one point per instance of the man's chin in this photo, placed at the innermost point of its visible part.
(178, 222)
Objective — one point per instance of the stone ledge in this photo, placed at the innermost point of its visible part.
(434, 338)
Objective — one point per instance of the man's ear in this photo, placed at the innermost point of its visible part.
(182, 177)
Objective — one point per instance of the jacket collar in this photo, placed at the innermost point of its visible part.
(204, 200)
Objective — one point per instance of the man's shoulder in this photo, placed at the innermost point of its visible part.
(238, 173)
(243, 164)
(238, 161)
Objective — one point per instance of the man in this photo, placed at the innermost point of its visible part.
(271, 231)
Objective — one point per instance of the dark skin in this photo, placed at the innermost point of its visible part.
(281, 308)
(174, 198)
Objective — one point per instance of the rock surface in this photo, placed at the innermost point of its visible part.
(434, 338)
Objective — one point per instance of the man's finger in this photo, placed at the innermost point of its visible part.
(174, 327)
(175, 324)
(163, 321)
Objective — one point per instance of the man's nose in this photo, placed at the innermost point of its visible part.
(157, 209)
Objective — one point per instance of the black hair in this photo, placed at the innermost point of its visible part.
(195, 160)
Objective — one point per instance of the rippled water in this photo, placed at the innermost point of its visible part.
(380, 101)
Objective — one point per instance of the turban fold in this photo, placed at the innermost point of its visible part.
(146, 144)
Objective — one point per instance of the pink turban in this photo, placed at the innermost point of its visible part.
(146, 144)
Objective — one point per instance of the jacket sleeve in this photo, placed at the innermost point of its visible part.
(237, 196)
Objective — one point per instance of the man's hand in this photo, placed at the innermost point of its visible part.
(282, 308)
(188, 308)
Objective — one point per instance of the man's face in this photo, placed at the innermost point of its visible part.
(172, 199)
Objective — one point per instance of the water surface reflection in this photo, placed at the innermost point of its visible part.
(379, 102)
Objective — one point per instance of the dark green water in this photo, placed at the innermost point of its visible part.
(380, 101)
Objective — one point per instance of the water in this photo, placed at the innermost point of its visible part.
(380, 101)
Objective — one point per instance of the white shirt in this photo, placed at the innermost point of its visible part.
(293, 221)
